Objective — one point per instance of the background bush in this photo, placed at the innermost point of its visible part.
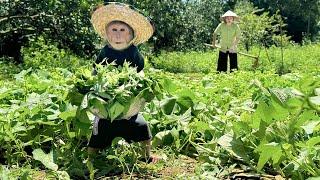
(180, 25)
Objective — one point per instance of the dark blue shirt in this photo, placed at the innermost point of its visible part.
(131, 54)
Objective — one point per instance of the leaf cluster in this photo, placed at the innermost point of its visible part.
(111, 92)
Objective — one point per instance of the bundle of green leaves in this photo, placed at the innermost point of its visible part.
(111, 92)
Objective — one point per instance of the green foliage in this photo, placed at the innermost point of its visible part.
(180, 25)
(8, 68)
(43, 54)
(112, 93)
(231, 127)
(37, 116)
(276, 128)
(302, 16)
(46, 159)
(259, 28)
(180, 62)
(303, 59)
(65, 22)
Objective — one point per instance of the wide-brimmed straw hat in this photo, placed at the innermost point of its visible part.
(114, 11)
(230, 13)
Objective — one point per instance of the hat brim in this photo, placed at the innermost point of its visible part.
(235, 18)
(140, 24)
(230, 14)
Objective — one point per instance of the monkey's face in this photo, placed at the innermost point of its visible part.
(119, 35)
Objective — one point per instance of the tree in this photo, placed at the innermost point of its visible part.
(258, 27)
(66, 22)
(181, 25)
(302, 15)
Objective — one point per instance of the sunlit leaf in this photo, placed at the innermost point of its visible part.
(45, 159)
(68, 114)
(310, 126)
(268, 151)
(115, 110)
(315, 100)
(161, 137)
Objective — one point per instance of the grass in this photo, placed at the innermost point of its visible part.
(297, 59)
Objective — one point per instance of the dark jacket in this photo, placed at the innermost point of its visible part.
(131, 54)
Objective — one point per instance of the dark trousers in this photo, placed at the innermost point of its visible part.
(223, 61)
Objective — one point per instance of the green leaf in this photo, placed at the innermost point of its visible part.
(71, 113)
(20, 77)
(18, 128)
(314, 178)
(279, 112)
(306, 116)
(315, 100)
(83, 129)
(185, 102)
(84, 102)
(279, 95)
(147, 94)
(310, 126)
(317, 91)
(313, 141)
(176, 137)
(268, 151)
(161, 138)
(115, 110)
(63, 175)
(240, 127)
(75, 97)
(169, 85)
(258, 84)
(185, 118)
(82, 116)
(234, 146)
(91, 169)
(263, 112)
(207, 82)
(200, 126)
(185, 92)
(45, 159)
(294, 103)
(167, 105)
(97, 106)
(200, 106)
(308, 84)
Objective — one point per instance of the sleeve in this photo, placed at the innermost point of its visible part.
(100, 56)
(138, 58)
(218, 29)
(238, 32)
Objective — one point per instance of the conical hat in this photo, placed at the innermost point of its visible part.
(114, 11)
(230, 13)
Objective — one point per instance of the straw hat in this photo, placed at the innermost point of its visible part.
(114, 11)
(230, 13)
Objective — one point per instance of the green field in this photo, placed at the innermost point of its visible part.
(255, 123)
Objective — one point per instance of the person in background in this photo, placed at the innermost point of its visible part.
(123, 28)
(230, 35)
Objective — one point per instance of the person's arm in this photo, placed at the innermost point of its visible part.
(214, 36)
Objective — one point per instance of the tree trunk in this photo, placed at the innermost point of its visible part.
(308, 26)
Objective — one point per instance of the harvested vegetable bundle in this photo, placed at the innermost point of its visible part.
(112, 93)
